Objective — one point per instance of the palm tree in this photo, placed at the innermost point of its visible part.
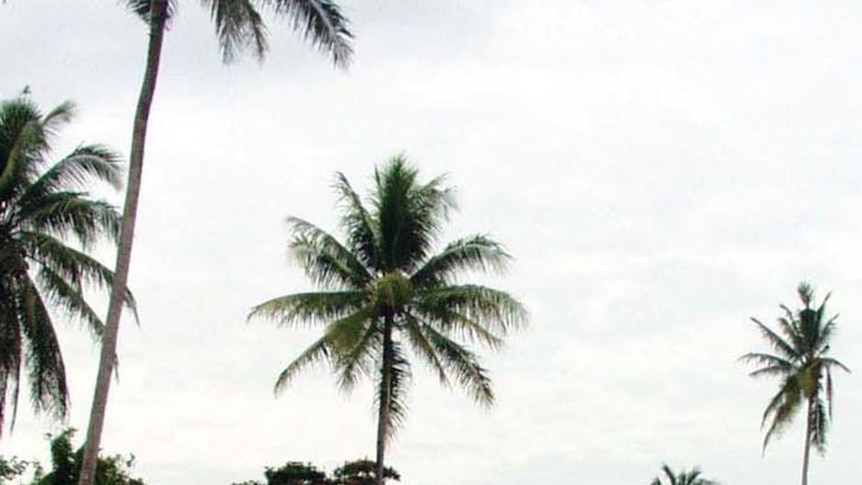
(800, 360)
(48, 222)
(691, 477)
(239, 27)
(384, 291)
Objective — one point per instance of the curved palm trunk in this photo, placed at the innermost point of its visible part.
(158, 17)
(385, 398)
(809, 422)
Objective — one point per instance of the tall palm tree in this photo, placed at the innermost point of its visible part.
(239, 28)
(384, 291)
(691, 477)
(801, 345)
(48, 223)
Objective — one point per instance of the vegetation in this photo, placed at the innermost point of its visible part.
(357, 472)
(48, 224)
(691, 477)
(384, 290)
(12, 468)
(66, 465)
(239, 28)
(800, 361)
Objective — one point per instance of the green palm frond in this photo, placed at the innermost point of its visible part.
(360, 228)
(325, 260)
(782, 409)
(61, 213)
(358, 358)
(498, 311)
(691, 477)
(819, 425)
(409, 215)
(77, 268)
(61, 294)
(142, 8)
(345, 344)
(770, 365)
(84, 166)
(321, 23)
(43, 359)
(829, 362)
(423, 347)
(316, 353)
(314, 308)
(464, 365)
(474, 253)
(239, 27)
(399, 381)
(779, 344)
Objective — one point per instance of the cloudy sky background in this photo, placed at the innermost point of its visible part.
(660, 169)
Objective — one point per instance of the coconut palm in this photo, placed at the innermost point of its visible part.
(800, 361)
(239, 28)
(691, 477)
(48, 223)
(384, 292)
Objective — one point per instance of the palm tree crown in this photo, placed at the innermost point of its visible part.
(385, 290)
(691, 477)
(801, 345)
(43, 209)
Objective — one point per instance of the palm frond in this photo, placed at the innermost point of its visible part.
(61, 213)
(310, 308)
(498, 311)
(321, 23)
(400, 375)
(782, 408)
(318, 352)
(44, 361)
(22, 146)
(410, 215)
(829, 362)
(423, 347)
(239, 27)
(771, 365)
(79, 169)
(819, 425)
(465, 366)
(356, 358)
(474, 253)
(826, 333)
(325, 260)
(361, 229)
(346, 344)
(11, 350)
(75, 267)
(61, 294)
(143, 8)
(779, 344)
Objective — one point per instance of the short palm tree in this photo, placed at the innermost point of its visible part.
(239, 28)
(48, 222)
(691, 477)
(801, 345)
(384, 291)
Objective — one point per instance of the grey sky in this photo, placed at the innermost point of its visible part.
(660, 169)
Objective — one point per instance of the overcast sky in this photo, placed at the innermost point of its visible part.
(661, 170)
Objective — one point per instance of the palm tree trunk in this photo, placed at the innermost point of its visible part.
(808, 422)
(385, 398)
(108, 357)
